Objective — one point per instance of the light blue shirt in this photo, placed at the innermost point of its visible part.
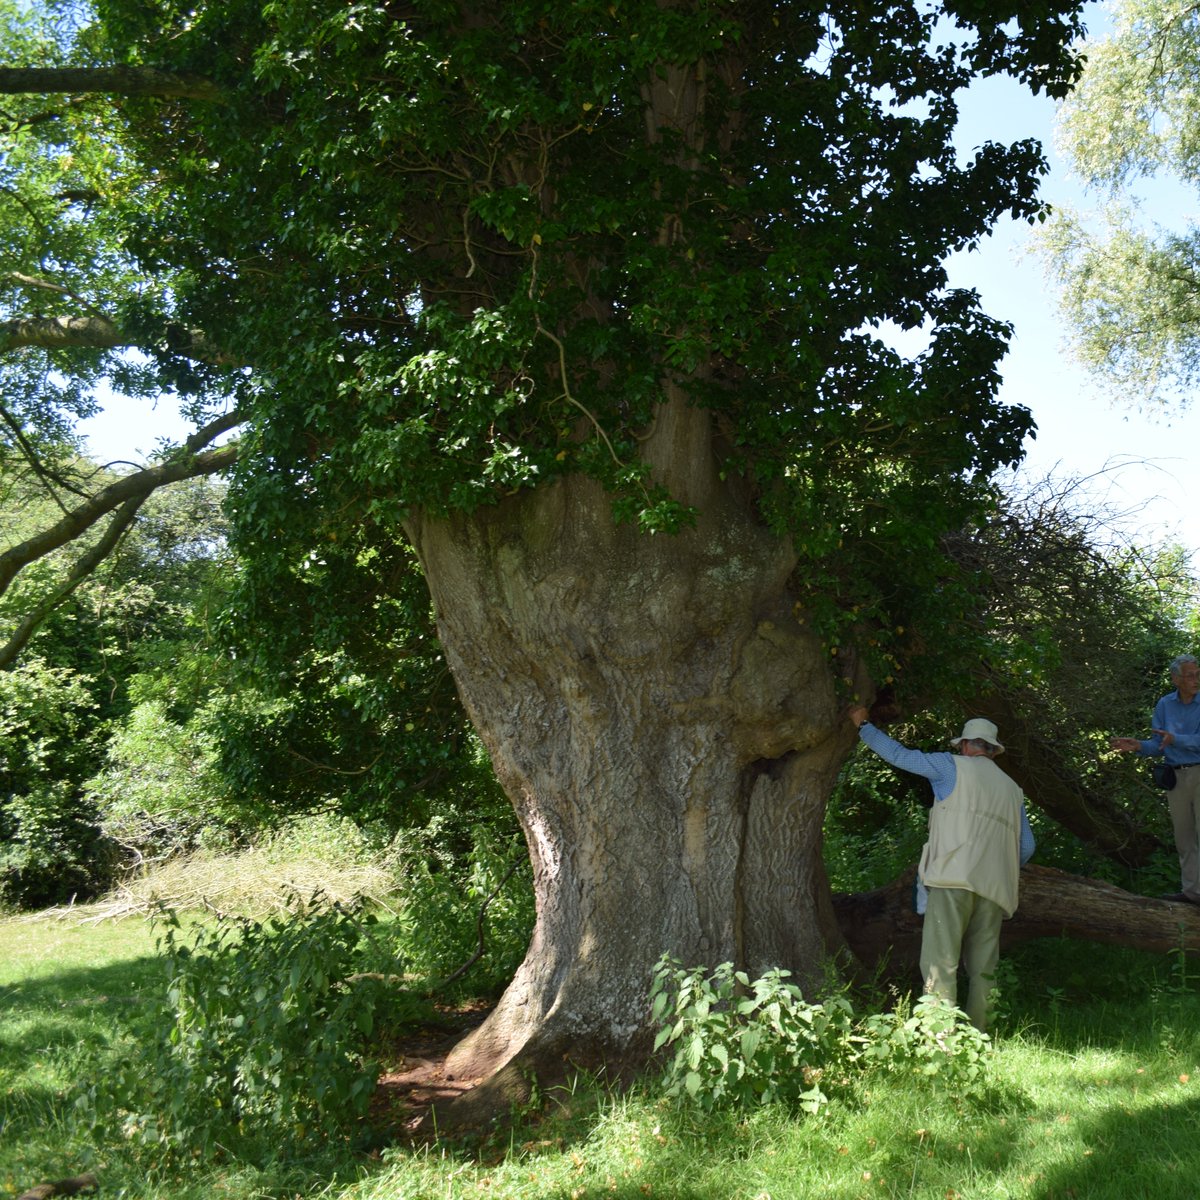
(939, 768)
(1180, 720)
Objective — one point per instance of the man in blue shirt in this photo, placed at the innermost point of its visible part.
(979, 837)
(1175, 734)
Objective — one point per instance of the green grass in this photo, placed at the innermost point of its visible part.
(1094, 1093)
(69, 993)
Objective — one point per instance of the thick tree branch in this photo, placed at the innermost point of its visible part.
(83, 567)
(1036, 763)
(114, 81)
(136, 486)
(881, 928)
(62, 333)
(205, 434)
(99, 333)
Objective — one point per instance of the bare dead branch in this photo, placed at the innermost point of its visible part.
(880, 926)
(61, 1187)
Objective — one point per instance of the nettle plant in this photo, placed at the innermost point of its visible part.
(737, 1042)
(264, 1042)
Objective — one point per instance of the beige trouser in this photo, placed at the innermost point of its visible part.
(1184, 802)
(961, 925)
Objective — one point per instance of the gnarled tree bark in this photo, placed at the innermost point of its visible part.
(668, 732)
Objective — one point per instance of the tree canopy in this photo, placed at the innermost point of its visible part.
(1128, 282)
(460, 264)
(582, 311)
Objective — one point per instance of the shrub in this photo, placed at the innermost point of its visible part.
(52, 849)
(264, 1049)
(736, 1042)
(157, 792)
(932, 1042)
(458, 910)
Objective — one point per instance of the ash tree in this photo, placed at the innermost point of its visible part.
(584, 305)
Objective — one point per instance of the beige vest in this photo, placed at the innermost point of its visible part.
(975, 834)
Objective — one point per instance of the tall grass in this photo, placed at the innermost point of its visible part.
(1092, 1091)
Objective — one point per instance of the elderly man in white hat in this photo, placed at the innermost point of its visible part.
(1175, 734)
(979, 838)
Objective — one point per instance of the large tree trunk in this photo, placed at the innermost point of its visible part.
(665, 726)
(668, 732)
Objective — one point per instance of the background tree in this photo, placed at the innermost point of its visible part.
(77, 681)
(578, 305)
(1130, 288)
(187, 730)
(341, 696)
(1075, 630)
(73, 311)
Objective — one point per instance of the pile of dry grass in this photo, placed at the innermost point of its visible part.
(252, 882)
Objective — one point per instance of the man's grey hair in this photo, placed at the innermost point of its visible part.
(1177, 664)
(980, 744)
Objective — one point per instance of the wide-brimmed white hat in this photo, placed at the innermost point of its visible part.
(984, 730)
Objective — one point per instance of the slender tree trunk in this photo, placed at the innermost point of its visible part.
(668, 733)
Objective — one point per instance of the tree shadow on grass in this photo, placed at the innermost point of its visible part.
(58, 1027)
(122, 989)
(1077, 994)
(1153, 1154)
(127, 979)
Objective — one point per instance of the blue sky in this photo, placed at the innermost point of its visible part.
(1140, 465)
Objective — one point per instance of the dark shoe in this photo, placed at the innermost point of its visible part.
(1178, 898)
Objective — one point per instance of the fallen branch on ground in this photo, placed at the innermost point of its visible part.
(880, 926)
(61, 1187)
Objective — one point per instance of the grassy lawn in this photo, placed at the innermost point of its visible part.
(69, 993)
(1093, 1091)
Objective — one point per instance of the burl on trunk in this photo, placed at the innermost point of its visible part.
(667, 730)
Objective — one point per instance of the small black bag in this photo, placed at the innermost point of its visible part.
(1163, 775)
